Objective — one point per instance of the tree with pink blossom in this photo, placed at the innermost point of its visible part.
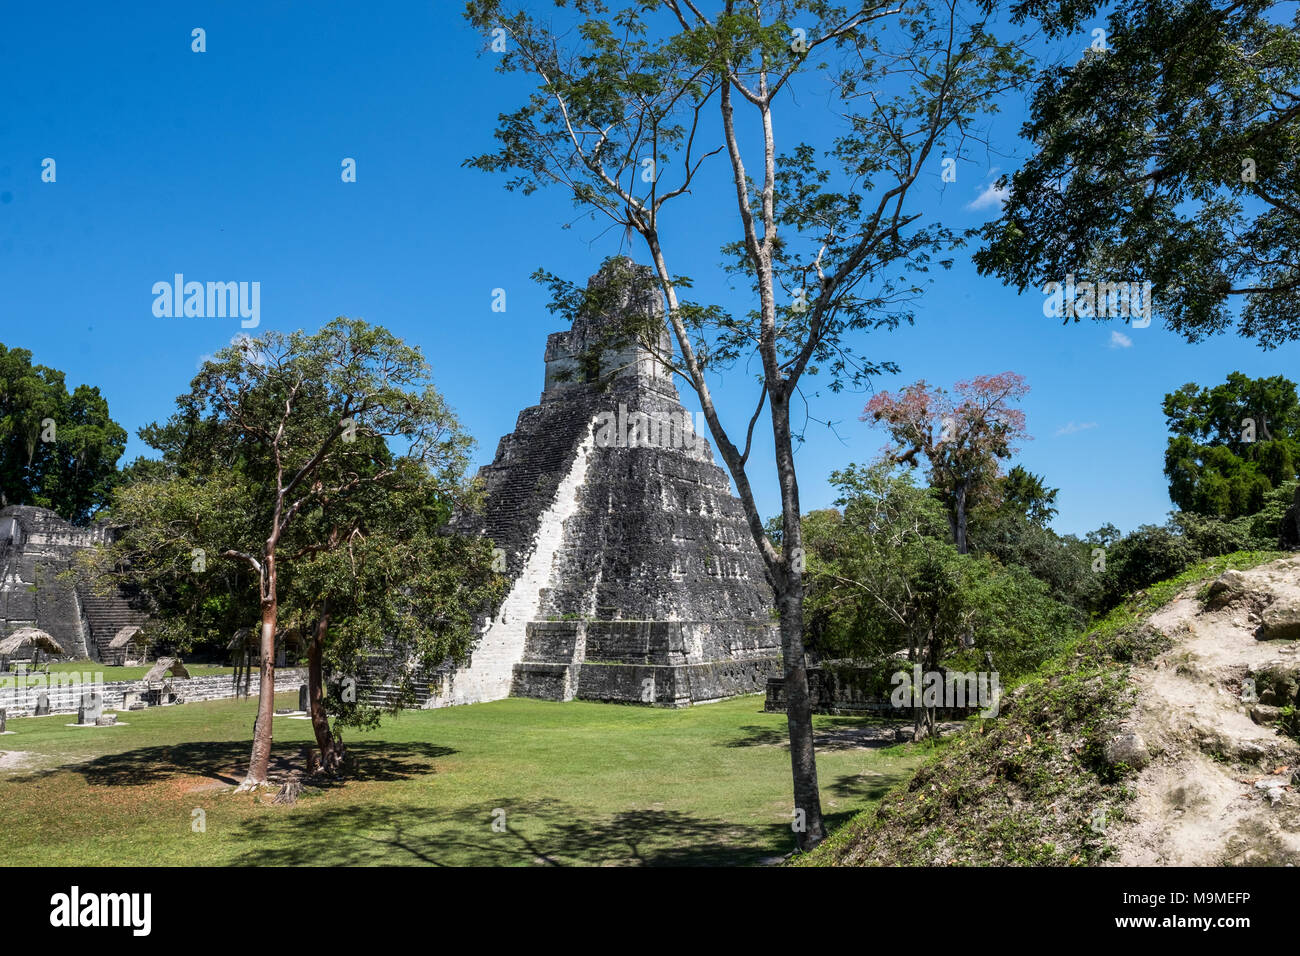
(962, 436)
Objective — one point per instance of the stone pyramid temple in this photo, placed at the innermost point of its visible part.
(37, 547)
(633, 576)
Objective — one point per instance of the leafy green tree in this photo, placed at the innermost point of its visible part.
(1013, 529)
(1026, 493)
(886, 576)
(1277, 523)
(1149, 554)
(1062, 563)
(386, 588)
(634, 97)
(400, 602)
(1210, 537)
(57, 450)
(171, 529)
(1232, 444)
(286, 448)
(1104, 536)
(1170, 158)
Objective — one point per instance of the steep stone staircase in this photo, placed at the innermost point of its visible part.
(104, 615)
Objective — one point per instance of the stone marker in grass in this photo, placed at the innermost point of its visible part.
(91, 709)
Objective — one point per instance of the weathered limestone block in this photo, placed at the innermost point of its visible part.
(1128, 749)
(1281, 620)
(1278, 683)
(1265, 715)
(1227, 588)
(92, 708)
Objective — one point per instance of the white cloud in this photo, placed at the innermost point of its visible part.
(992, 197)
(1073, 427)
(1118, 340)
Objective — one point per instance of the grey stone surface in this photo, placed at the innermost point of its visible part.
(3, 716)
(1265, 715)
(92, 707)
(42, 705)
(304, 700)
(1281, 620)
(36, 546)
(1278, 683)
(1127, 748)
(106, 720)
(1226, 588)
(127, 695)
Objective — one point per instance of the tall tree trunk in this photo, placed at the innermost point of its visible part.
(798, 718)
(789, 588)
(959, 516)
(260, 760)
(786, 572)
(918, 710)
(331, 746)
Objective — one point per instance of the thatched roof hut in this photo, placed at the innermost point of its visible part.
(127, 635)
(165, 664)
(30, 637)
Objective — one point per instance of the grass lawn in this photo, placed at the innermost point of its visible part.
(97, 667)
(579, 783)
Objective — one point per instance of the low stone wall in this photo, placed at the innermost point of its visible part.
(65, 698)
(849, 691)
(663, 685)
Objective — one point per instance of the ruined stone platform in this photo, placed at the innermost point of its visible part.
(37, 547)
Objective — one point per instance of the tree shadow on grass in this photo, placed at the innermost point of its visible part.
(539, 832)
(842, 733)
(225, 762)
(866, 787)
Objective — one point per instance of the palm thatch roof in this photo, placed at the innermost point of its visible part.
(243, 638)
(165, 664)
(127, 635)
(30, 637)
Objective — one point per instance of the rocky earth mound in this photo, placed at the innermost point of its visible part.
(1212, 732)
(1165, 736)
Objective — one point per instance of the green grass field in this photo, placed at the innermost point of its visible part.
(578, 783)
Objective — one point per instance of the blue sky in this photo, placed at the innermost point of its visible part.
(225, 166)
